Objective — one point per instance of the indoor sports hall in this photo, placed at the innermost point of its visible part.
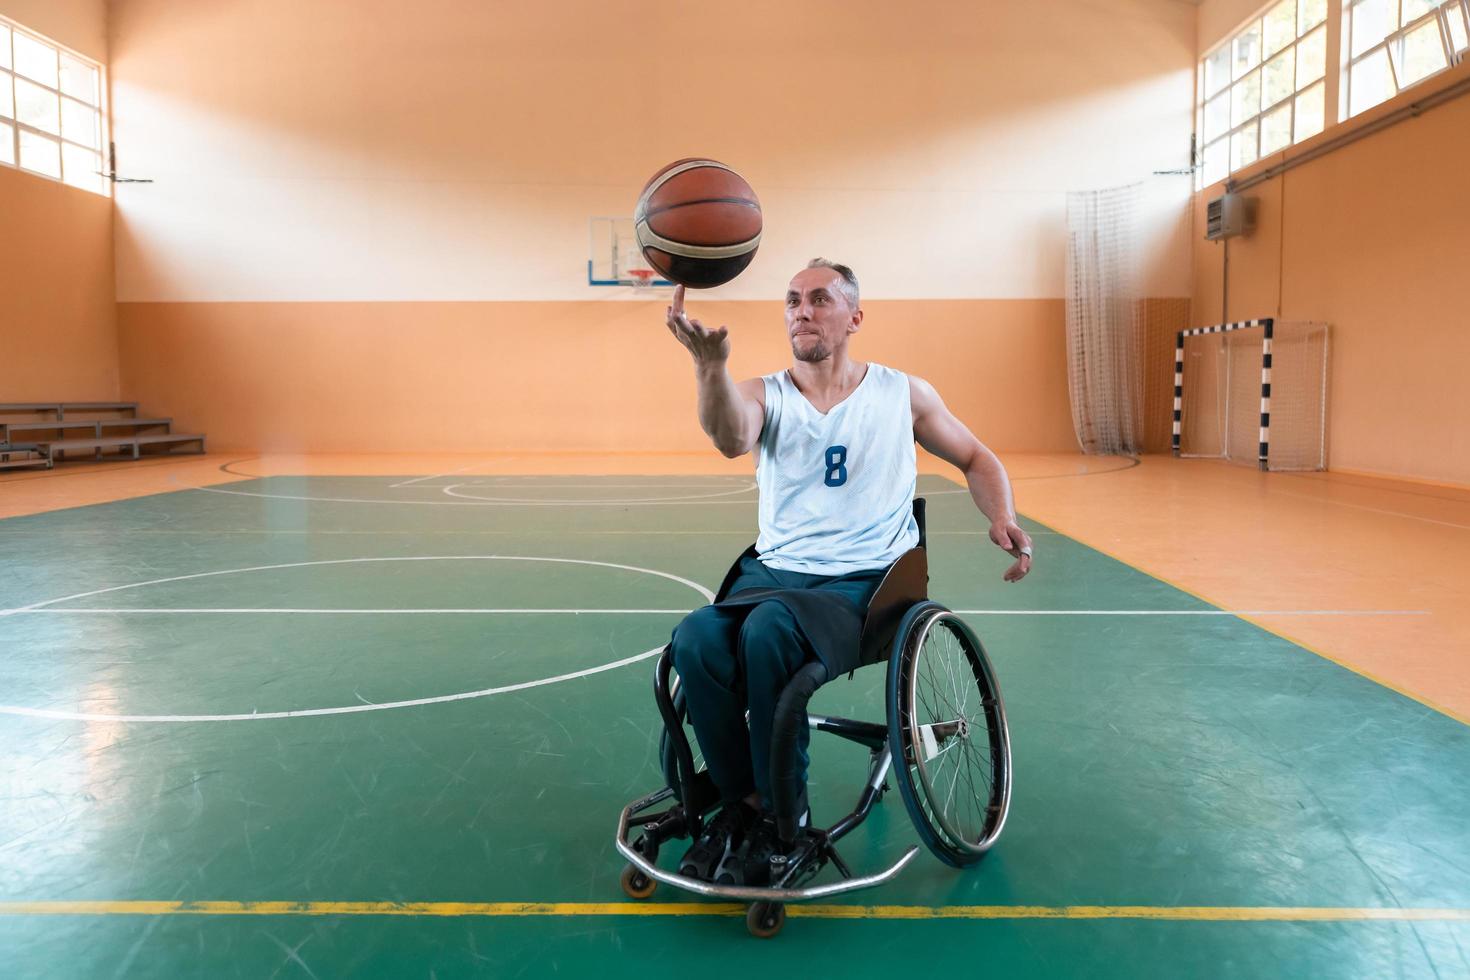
(354, 478)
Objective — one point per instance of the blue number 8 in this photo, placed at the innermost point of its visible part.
(836, 466)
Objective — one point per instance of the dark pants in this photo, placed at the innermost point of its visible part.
(733, 659)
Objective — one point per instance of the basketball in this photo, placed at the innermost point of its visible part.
(698, 223)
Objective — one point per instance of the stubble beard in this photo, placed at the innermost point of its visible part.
(817, 352)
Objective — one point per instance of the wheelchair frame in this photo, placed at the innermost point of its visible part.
(899, 599)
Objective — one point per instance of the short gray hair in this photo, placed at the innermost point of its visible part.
(849, 283)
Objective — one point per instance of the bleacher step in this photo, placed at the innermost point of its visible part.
(9, 430)
(122, 442)
(54, 424)
(61, 408)
(9, 460)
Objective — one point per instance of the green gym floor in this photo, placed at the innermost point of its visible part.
(362, 726)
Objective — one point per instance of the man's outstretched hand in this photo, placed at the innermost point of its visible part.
(1015, 542)
(705, 346)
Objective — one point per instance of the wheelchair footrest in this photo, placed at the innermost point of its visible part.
(748, 893)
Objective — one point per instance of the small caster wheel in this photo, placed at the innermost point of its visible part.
(636, 884)
(765, 919)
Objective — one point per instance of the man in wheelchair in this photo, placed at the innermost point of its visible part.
(836, 475)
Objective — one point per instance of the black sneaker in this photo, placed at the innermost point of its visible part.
(750, 863)
(721, 836)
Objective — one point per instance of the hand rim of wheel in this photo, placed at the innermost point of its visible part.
(929, 619)
(666, 752)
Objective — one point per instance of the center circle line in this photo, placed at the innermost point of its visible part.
(46, 604)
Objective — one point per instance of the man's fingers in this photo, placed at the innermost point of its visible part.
(1017, 542)
(683, 324)
(684, 333)
(690, 332)
(1018, 570)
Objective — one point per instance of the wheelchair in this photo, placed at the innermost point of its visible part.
(945, 740)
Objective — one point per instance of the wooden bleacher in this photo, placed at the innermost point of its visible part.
(47, 435)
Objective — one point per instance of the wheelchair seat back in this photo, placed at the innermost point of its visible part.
(905, 583)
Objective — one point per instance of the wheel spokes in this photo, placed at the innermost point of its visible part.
(955, 754)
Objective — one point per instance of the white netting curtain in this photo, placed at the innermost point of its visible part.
(1104, 366)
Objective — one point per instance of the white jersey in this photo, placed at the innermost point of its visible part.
(837, 490)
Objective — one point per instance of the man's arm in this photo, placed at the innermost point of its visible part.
(939, 432)
(732, 415)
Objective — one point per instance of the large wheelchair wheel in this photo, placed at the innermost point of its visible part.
(947, 731)
(668, 759)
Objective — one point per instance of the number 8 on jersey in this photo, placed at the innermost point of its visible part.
(836, 466)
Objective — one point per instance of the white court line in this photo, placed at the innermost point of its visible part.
(708, 595)
(435, 476)
(462, 503)
(588, 486)
(467, 500)
(245, 610)
(317, 712)
(150, 611)
(700, 497)
(44, 605)
(982, 534)
(1192, 612)
(747, 534)
(1375, 510)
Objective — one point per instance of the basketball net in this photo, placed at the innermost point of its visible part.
(642, 281)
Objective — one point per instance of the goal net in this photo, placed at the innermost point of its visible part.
(1253, 392)
(1104, 327)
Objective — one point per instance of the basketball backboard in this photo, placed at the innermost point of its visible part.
(614, 258)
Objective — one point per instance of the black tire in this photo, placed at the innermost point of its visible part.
(765, 919)
(668, 758)
(941, 689)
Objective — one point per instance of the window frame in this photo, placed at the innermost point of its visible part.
(8, 77)
(1439, 14)
(1225, 140)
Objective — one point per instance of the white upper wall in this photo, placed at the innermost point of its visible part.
(1218, 19)
(455, 149)
(78, 24)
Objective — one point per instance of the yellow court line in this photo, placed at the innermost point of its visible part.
(1196, 913)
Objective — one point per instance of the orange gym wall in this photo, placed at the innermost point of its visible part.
(58, 328)
(369, 228)
(1371, 238)
(551, 376)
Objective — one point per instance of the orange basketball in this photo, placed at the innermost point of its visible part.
(698, 223)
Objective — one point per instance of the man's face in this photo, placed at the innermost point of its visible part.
(818, 317)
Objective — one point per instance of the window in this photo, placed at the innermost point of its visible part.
(51, 119)
(1393, 44)
(1262, 90)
